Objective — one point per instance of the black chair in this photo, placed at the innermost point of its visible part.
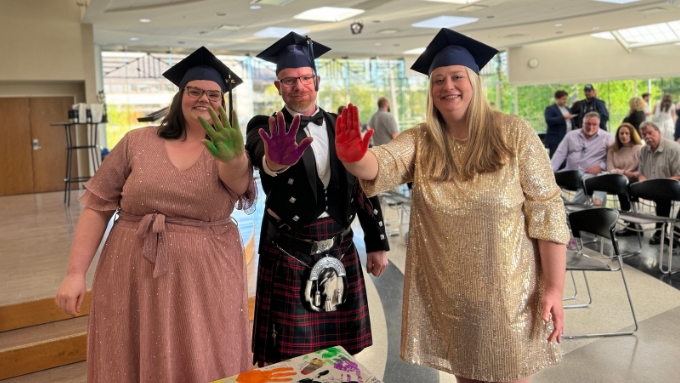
(660, 191)
(400, 203)
(600, 222)
(616, 185)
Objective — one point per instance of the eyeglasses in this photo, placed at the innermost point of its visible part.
(304, 80)
(194, 92)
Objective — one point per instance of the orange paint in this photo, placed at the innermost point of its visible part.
(281, 374)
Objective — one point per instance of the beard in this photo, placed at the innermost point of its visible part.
(301, 106)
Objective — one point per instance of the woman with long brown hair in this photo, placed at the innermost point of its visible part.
(486, 256)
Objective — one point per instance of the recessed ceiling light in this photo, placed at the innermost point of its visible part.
(210, 44)
(415, 51)
(144, 20)
(230, 27)
(558, 25)
(134, 38)
(604, 35)
(617, 1)
(255, 7)
(490, 17)
(396, 45)
(387, 31)
(558, 32)
(378, 44)
(330, 14)
(454, 1)
(180, 42)
(376, 21)
(596, 28)
(221, 13)
(277, 33)
(445, 22)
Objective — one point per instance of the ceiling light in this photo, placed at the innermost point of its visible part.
(230, 27)
(604, 35)
(376, 21)
(454, 1)
(271, 2)
(180, 42)
(387, 31)
(277, 33)
(558, 32)
(445, 22)
(255, 7)
(617, 1)
(596, 28)
(415, 51)
(472, 8)
(134, 38)
(144, 20)
(377, 44)
(330, 14)
(221, 13)
(558, 25)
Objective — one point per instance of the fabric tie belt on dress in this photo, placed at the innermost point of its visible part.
(151, 228)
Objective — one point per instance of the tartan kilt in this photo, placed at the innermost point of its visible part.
(279, 302)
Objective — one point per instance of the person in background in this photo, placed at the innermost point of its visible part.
(384, 125)
(495, 313)
(660, 158)
(664, 117)
(585, 150)
(593, 104)
(623, 157)
(558, 118)
(648, 111)
(169, 298)
(636, 114)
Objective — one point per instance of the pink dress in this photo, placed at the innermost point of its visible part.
(169, 298)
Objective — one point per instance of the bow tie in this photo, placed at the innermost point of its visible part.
(316, 119)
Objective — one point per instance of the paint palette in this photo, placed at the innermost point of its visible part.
(332, 365)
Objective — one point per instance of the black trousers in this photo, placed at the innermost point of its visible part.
(663, 209)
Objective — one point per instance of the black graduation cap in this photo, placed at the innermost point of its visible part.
(452, 48)
(294, 51)
(203, 65)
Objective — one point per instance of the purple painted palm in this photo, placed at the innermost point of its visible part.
(280, 147)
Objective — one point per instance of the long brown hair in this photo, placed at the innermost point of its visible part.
(666, 102)
(173, 125)
(486, 150)
(634, 137)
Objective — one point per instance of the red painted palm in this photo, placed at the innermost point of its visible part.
(349, 144)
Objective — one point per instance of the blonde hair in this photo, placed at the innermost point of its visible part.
(486, 150)
(634, 137)
(637, 104)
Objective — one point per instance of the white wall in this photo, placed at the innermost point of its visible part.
(589, 59)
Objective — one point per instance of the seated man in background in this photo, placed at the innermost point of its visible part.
(659, 159)
(585, 149)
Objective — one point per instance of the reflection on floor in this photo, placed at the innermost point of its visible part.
(35, 234)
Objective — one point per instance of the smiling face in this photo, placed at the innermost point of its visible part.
(451, 91)
(193, 107)
(298, 96)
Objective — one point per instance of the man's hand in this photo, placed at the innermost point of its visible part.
(226, 143)
(349, 144)
(568, 116)
(376, 262)
(280, 148)
(594, 169)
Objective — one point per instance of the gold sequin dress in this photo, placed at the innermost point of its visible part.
(169, 299)
(473, 279)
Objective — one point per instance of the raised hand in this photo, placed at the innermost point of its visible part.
(226, 142)
(349, 144)
(280, 147)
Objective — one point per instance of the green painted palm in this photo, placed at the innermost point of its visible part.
(226, 142)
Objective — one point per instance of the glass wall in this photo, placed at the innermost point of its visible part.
(134, 87)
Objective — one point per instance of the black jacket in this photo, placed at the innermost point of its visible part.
(594, 105)
(297, 195)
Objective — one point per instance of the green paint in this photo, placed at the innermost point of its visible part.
(332, 352)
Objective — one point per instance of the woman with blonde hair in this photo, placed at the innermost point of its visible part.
(623, 157)
(636, 115)
(486, 256)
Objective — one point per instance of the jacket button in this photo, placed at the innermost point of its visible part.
(290, 181)
(296, 218)
(292, 200)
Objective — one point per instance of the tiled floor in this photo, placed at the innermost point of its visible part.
(34, 263)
